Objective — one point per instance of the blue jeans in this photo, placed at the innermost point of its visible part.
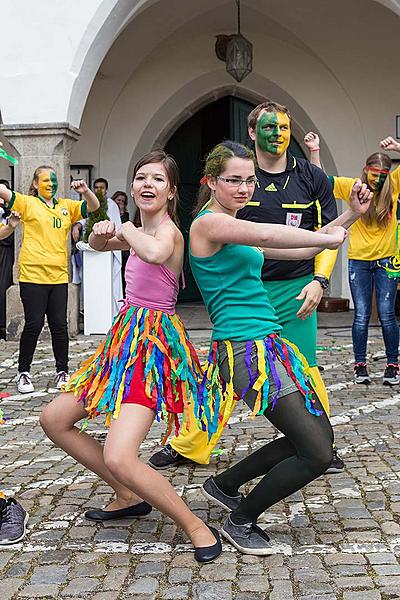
(364, 276)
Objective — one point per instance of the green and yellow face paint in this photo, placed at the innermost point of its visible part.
(273, 132)
(376, 177)
(47, 185)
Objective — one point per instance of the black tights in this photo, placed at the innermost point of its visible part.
(288, 463)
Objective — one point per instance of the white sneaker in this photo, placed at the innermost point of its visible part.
(61, 379)
(24, 383)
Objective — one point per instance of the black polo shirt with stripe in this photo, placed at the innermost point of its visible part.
(301, 196)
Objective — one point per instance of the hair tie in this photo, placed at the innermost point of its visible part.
(203, 180)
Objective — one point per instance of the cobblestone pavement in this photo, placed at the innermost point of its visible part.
(339, 538)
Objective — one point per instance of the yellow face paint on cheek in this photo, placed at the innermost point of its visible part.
(284, 133)
(47, 184)
(372, 180)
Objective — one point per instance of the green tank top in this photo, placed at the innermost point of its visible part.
(235, 298)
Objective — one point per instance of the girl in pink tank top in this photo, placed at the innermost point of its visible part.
(145, 368)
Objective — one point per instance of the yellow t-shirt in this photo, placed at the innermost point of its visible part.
(44, 251)
(370, 242)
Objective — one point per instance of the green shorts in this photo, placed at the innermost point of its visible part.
(282, 295)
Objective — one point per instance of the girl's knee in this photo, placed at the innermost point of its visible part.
(321, 459)
(119, 462)
(55, 418)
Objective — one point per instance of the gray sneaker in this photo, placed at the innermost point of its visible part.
(248, 538)
(212, 492)
(13, 520)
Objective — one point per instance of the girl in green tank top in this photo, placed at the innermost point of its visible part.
(247, 358)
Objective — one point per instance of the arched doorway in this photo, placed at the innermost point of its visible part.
(225, 118)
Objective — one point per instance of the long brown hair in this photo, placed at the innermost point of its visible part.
(381, 207)
(215, 164)
(32, 190)
(171, 168)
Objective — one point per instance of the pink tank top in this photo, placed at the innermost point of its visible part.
(149, 285)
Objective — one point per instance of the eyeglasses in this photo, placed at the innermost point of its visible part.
(237, 182)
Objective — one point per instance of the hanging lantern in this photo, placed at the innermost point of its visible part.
(236, 51)
(239, 57)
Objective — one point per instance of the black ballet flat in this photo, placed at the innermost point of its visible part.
(137, 510)
(209, 553)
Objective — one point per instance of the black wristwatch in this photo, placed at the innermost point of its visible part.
(323, 281)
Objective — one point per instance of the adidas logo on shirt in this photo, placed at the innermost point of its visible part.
(271, 188)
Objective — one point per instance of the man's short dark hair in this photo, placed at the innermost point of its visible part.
(266, 107)
(101, 180)
(5, 182)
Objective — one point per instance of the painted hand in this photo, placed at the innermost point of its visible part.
(79, 186)
(311, 294)
(311, 140)
(360, 197)
(390, 143)
(104, 229)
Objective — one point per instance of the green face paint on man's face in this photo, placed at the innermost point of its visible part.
(273, 132)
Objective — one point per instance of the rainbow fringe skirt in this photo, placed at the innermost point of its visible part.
(146, 347)
(216, 396)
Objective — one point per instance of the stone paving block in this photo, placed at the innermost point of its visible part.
(388, 581)
(103, 596)
(344, 559)
(214, 572)
(121, 559)
(178, 592)
(183, 575)
(382, 558)
(43, 575)
(10, 586)
(144, 585)
(348, 570)
(39, 591)
(59, 557)
(365, 595)
(345, 583)
(81, 585)
(387, 569)
(310, 575)
(115, 578)
(150, 568)
(212, 591)
(315, 588)
(96, 569)
(5, 557)
(253, 584)
(18, 570)
(281, 589)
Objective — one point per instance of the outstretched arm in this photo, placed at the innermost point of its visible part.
(360, 199)
(224, 229)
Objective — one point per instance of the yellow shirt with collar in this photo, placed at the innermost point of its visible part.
(370, 242)
(45, 229)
